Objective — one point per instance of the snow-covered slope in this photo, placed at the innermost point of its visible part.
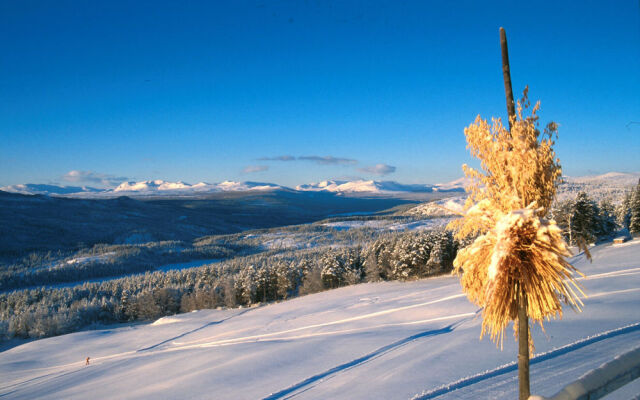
(448, 207)
(389, 340)
(611, 178)
(457, 185)
(612, 185)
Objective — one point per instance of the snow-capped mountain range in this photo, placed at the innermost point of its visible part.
(182, 187)
(142, 188)
(160, 187)
(370, 186)
(596, 185)
(35, 188)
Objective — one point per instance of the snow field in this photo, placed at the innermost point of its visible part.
(389, 340)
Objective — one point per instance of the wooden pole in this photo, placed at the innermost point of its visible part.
(523, 346)
(523, 318)
(506, 74)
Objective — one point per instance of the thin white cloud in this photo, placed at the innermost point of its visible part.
(378, 169)
(328, 160)
(92, 177)
(278, 158)
(254, 168)
(323, 160)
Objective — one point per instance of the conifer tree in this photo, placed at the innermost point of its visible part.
(583, 221)
(634, 220)
(606, 219)
(623, 211)
(562, 213)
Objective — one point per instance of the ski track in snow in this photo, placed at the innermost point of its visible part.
(65, 369)
(513, 366)
(194, 330)
(621, 272)
(354, 363)
(341, 321)
(309, 383)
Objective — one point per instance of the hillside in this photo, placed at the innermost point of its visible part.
(37, 222)
(389, 340)
(612, 185)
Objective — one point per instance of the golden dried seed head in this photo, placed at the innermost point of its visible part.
(507, 204)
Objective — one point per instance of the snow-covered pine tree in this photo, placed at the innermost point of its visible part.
(606, 218)
(562, 212)
(623, 211)
(123, 309)
(634, 220)
(286, 278)
(406, 257)
(442, 252)
(583, 220)
(333, 269)
(245, 285)
(450, 250)
(354, 265)
(372, 269)
(378, 260)
(264, 285)
(436, 257)
(229, 292)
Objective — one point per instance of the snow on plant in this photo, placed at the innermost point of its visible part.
(518, 252)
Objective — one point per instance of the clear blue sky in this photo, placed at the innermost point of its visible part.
(208, 91)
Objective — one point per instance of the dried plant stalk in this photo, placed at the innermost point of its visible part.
(518, 250)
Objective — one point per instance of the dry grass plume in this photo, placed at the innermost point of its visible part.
(517, 248)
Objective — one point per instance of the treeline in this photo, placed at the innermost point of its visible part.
(630, 210)
(240, 281)
(105, 261)
(582, 219)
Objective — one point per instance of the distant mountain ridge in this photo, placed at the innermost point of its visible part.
(141, 188)
(35, 188)
(180, 188)
(624, 178)
(157, 186)
(612, 185)
(371, 186)
(599, 185)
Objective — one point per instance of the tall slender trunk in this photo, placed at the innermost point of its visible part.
(506, 74)
(523, 318)
(264, 291)
(523, 346)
